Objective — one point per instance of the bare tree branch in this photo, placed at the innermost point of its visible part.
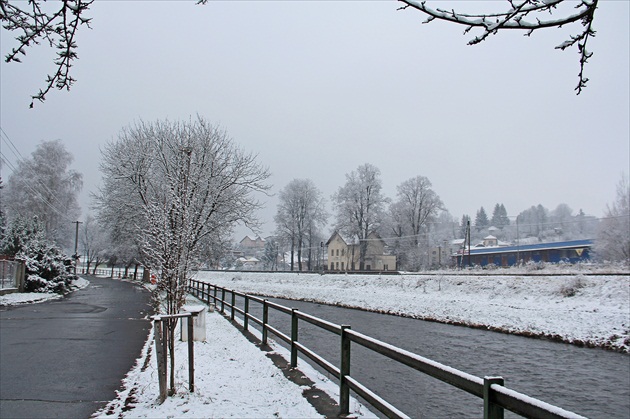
(32, 25)
(525, 15)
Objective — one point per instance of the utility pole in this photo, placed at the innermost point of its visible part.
(76, 246)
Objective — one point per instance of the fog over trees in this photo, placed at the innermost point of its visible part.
(45, 187)
(416, 206)
(300, 217)
(416, 225)
(613, 236)
(359, 206)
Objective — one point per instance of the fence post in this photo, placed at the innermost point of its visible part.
(294, 337)
(265, 320)
(344, 370)
(222, 300)
(233, 300)
(191, 353)
(159, 348)
(246, 310)
(491, 410)
(215, 295)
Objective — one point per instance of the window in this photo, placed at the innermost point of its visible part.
(342, 266)
(386, 267)
(337, 262)
(332, 252)
(332, 266)
(342, 251)
(337, 252)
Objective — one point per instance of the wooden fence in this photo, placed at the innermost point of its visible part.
(495, 395)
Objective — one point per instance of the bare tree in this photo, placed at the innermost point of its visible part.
(613, 238)
(94, 242)
(300, 214)
(527, 16)
(190, 184)
(416, 205)
(359, 205)
(45, 186)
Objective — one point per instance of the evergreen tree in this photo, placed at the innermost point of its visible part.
(499, 216)
(481, 219)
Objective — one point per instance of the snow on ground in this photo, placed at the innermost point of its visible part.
(579, 309)
(37, 297)
(233, 378)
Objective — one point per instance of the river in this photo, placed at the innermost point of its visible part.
(591, 382)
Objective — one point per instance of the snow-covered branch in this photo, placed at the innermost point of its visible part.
(525, 15)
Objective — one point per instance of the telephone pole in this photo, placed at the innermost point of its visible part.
(76, 245)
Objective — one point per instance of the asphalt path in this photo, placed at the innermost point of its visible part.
(66, 358)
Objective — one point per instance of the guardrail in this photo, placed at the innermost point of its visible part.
(496, 397)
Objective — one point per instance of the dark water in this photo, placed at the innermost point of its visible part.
(591, 382)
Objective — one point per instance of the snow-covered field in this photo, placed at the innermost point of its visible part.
(579, 309)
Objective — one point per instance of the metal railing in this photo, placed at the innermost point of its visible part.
(496, 397)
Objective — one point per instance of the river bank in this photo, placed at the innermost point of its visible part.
(579, 309)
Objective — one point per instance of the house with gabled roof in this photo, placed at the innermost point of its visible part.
(344, 254)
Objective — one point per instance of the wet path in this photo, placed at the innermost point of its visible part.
(66, 358)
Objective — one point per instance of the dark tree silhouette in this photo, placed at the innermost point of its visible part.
(527, 16)
(58, 27)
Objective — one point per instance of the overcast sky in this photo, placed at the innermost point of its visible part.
(317, 88)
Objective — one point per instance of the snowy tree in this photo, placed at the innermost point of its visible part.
(270, 255)
(44, 186)
(190, 184)
(481, 220)
(179, 188)
(3, 214)
(359, 206)
(533, 221)
(94, 243)
(613, 238)
(48, 269)
(301, 213)
(527, 16)
(499, 216)
(417, 204)
(562, 221)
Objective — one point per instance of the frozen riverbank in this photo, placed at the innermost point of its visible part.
(576, 308)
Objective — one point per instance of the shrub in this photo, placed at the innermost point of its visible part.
(48, 269)
(571, 287)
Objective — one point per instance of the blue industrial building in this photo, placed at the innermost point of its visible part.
(567, 251)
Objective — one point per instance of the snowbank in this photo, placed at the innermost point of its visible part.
(578, 309)
(38, 297)
(233, 378)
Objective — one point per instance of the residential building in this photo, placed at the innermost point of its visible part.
(344, 255)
